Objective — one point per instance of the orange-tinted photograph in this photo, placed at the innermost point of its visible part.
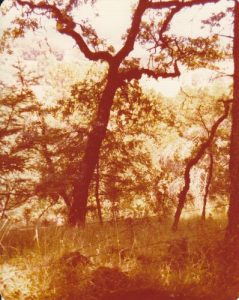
(119, 150)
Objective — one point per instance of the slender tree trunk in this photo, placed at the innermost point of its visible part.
(233, 213)
(193, 161)
(182, 195)
(78, 209)
(209, 179)
(97, 196)
(3, 212)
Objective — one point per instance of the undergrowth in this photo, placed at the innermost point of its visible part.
(97, 261)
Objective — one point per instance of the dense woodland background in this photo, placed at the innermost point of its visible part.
(111, 189)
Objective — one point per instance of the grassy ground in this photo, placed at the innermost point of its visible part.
(65, 263)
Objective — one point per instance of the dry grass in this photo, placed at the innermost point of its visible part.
(66, 263)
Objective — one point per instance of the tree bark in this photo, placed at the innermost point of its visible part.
(193, 161)
(78, 209)
(66, 198)
(209, 179)
(97, 195)
(233, 212)
(116, 77)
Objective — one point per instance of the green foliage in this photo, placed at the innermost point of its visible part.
(18, 31)
(166, 47)
(17, 105)
(199, 49)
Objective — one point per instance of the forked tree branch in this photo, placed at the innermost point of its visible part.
(136, 21)
(137, 73)
(133, 31)
(67, 26)
(116, 76)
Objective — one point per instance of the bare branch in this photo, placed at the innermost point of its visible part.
(226, 36)
(167, 21)
(203, 121)
(69, 5)
(133, 32)
(176, 3)
(135, 26)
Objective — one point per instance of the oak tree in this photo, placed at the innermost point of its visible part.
(165, 51)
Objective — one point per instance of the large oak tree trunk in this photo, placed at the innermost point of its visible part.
(96, 136)
(233, 213)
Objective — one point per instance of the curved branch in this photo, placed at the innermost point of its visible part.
(67, 26)
(95, 56)
(193, 161)
(167, 21)
(176, 3)
(137, 73)
(133, 32)
(135, 26)
(209, 179)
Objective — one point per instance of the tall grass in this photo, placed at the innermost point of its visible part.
(64, 263)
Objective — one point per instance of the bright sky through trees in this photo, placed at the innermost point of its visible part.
(111, 18)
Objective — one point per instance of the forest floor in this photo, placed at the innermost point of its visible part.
(133, 259)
